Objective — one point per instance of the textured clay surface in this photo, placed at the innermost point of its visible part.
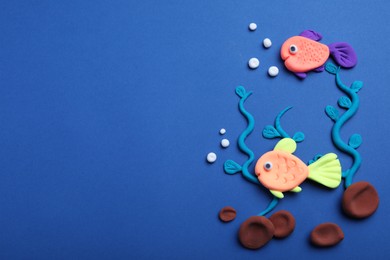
(284, 223)
(227, 214)
(287, 172)
(255, 232)
(326, 234)
(310, 54)
(360, 200)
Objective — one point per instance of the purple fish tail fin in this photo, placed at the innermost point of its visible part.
(343, 54)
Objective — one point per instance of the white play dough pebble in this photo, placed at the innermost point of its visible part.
(225, 143)
(252, 26)
(222, 131)
(211, 157)
(273, 71)
(253, 63)
(267, 43)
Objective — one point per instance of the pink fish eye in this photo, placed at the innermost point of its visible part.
(293, 49)
(268, 166)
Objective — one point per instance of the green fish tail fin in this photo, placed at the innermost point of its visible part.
(326, 171)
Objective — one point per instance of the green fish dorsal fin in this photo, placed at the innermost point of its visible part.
(286, 145)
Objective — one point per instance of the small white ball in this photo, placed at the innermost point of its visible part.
(211, 157)
(222, 131)
(273, 71)
(225, 143)
(252, 26)
(267, 43)
(253, 63)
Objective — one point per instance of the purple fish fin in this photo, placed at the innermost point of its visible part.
(300, 75)
(320, 69)
(343, 54)
(312, 35)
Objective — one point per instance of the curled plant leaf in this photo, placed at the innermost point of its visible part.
(318, 156)
(231, 167)
(355, 141)
(356, 86)
(240, 91)
(332, 112)
(345, 102)
(299, 137)
(270, 132)
(331, 68)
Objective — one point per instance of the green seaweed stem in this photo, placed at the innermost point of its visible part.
(241, 139)
(270, 207)
(277, 131)
(232, 167)
(278, 125)
(339, 122)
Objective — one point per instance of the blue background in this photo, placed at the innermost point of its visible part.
(109, 108)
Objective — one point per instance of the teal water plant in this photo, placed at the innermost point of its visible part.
(350, 103)
(230, 166)
(279, 170)
(277, 131)
(360, 199)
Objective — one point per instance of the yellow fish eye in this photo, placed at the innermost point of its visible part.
(268, 166)
(293, 49)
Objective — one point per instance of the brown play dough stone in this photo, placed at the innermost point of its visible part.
(284, 223)
(326, 234)
(360, 200)
(227, 214)
(255, 232)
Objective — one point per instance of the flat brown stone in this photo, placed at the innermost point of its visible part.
(360, 200)
(227, 214)
(255, 232)
(326, 234)
(284, 223)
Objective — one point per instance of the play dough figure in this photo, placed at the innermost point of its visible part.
(304, 53)
(280, 170)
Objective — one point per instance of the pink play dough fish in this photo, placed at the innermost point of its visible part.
(279, 170)
(304, 53)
